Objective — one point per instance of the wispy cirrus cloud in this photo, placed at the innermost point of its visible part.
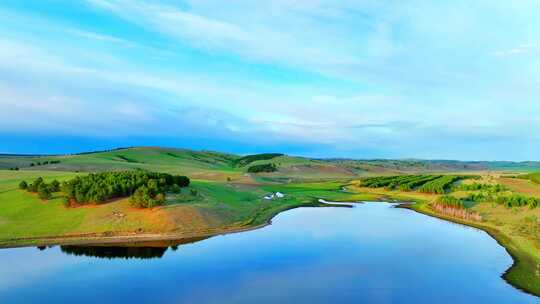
(337, 77)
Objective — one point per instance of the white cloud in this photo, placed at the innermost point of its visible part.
(519, 50)
(357, 72)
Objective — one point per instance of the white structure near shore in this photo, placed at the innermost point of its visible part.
(272, 196)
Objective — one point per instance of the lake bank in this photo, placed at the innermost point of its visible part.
(524, 272)
(371, 253)
(129, 238)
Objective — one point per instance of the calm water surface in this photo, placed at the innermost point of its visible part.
(372, 253)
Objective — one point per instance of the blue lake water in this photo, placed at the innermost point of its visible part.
(372, 253)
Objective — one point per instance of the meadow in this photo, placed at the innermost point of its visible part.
(225, 195)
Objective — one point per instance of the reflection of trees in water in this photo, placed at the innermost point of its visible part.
(113, 252)
(148, 250)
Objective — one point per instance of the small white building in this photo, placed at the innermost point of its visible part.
(272, 196)
(269, 196)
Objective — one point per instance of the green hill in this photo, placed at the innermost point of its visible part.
(224, 166)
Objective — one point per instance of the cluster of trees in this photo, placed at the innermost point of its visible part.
(416, 182)
(45, 163)
(439, 185)
(478, 186)
(518, 201)
(43, 190)
(14, 169)
(389, 182)
(479, 197)
(454, 207)
(509, 201)
(150, 195)
(148, 188)
(262, 168)
(251, 158)
(450, 201)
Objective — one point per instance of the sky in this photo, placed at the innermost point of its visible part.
(358, 79)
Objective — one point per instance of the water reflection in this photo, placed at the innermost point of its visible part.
(373, 253)
(142, 250)
(110, 252)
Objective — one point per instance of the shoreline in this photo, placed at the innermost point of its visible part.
(518, 256)
(133, 237)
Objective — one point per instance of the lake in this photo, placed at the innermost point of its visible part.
(373, 253)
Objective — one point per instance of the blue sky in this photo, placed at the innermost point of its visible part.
(365, 79)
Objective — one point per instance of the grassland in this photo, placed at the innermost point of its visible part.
(223, 197)
(207, 207)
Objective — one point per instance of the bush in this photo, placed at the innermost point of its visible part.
(54, 186)
(23, 185)
(44, 192)
(33, 187)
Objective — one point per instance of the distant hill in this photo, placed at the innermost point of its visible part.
(217, 165)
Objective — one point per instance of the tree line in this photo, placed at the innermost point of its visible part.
(439, 185)
(478, 186)
(508, 201)
(52, 162)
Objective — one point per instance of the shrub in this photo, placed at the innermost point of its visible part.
(54, 186)
(23, 185)
(33, 187)
(44, 192)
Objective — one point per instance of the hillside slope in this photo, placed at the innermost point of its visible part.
(223, 166)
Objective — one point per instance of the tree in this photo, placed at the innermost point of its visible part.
(176, 189)
(33, 187)
(66, 201)
(43, 192)
(55, 186)
(23, 185)
(182, 181)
